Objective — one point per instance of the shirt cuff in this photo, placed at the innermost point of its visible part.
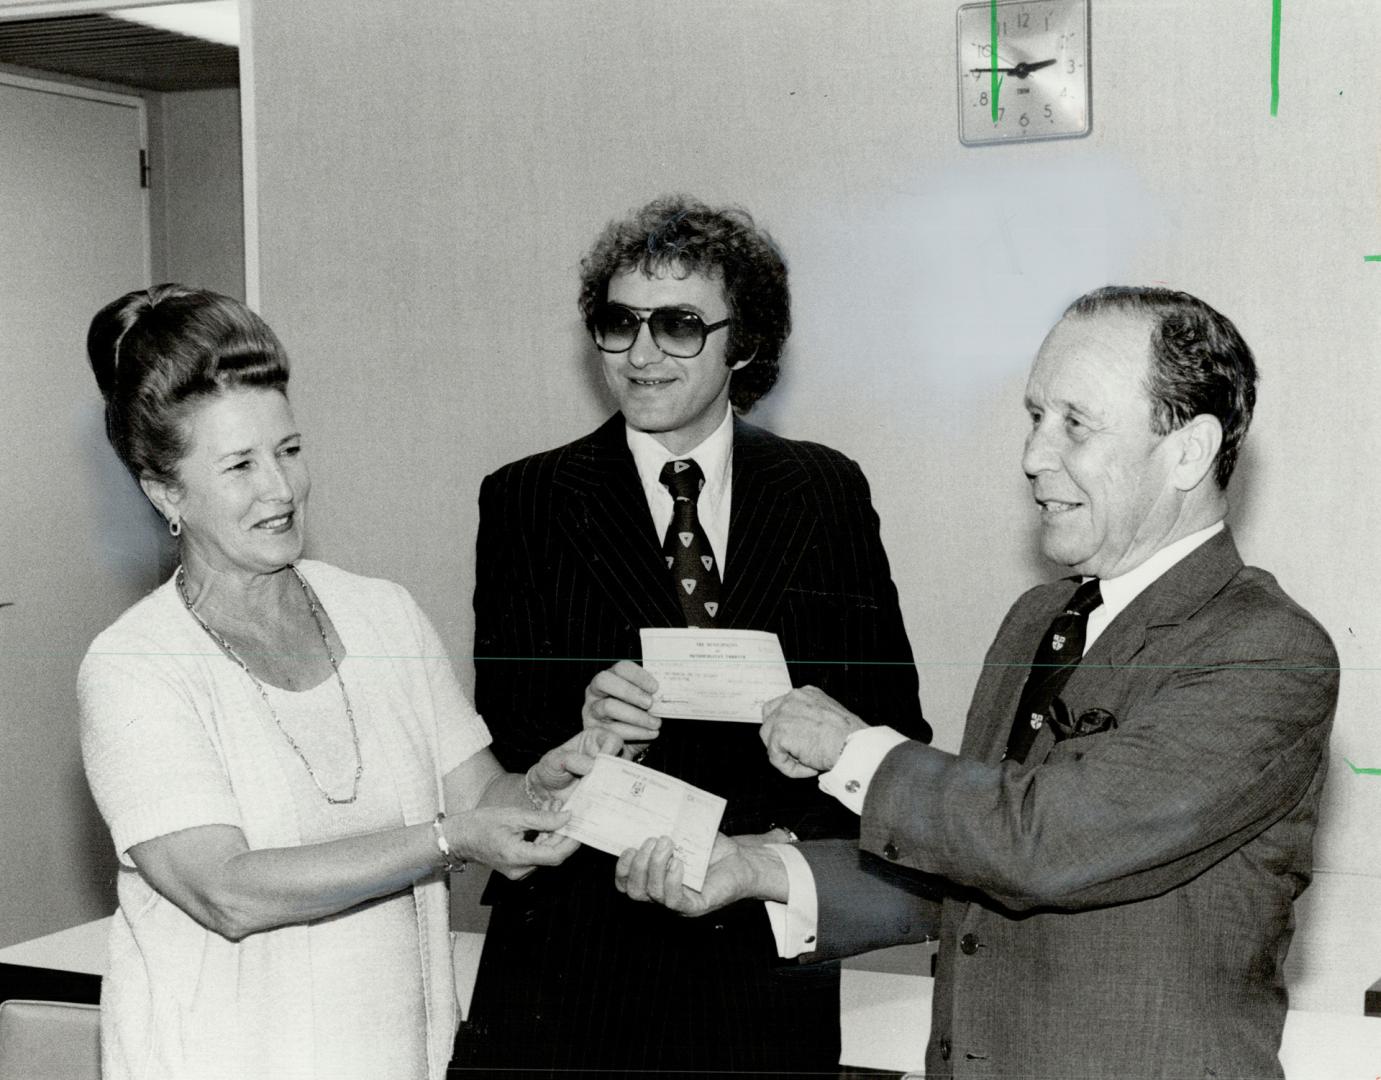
(863, 753)
(794, 923)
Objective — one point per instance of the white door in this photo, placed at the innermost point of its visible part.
(76, 546)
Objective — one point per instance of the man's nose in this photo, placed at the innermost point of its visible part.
(1039, 455)
(644, 350)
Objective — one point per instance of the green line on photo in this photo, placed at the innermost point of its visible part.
(996, 78)
(1275, 55)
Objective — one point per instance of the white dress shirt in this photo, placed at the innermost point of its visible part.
(715, 456)
(795, 926)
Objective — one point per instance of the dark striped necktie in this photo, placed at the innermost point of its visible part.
(1059, 654)
(686, 547)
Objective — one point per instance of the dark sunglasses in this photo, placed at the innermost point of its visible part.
(675, 331)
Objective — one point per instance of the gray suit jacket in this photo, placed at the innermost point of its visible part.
(1119, 905)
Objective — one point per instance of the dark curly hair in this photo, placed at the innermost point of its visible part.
(683, 236)
(1199, 363)
(156, 352)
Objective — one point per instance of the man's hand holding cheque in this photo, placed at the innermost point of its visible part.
(804, 731)
(740, 869)
(617, 701)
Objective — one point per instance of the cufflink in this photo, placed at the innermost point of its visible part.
(852, 787)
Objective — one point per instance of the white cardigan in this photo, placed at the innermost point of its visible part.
(167, 747)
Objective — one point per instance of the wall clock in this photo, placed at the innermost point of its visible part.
(1041, 67)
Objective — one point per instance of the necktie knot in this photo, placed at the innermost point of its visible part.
(1086, 597)
(683, 479)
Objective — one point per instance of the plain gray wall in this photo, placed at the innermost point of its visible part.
(198, 197)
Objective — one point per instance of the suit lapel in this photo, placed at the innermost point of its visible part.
(1164, 604)
(769, 527)
(1168, 601)
(608, 526)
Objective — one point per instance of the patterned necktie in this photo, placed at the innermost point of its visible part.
(1060, 651)
(686, 547)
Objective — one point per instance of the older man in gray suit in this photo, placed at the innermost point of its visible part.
(1122, 835)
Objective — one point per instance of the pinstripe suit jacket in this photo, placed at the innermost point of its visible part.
(569, 568)
(1126, 897)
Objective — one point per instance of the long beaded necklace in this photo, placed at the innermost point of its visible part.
(181, 579)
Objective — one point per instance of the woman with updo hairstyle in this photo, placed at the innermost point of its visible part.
(280, 748)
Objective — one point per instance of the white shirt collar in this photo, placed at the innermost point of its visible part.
(1120, 591)
(713, 455)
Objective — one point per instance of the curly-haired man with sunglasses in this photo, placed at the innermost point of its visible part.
(580, 547)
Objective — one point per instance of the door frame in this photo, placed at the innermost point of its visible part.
(249, 160)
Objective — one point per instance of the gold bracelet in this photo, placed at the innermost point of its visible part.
(538, 804)
(453, 863)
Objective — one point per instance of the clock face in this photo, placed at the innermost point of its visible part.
(1042, 64)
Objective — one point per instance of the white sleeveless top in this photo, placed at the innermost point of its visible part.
(367, 1009)
(174, 735)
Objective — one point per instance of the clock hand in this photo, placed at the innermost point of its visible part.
(1020, 71)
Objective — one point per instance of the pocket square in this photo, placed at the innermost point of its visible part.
(1089, 722)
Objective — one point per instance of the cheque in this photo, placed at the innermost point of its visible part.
(714, 674)
(619, 804)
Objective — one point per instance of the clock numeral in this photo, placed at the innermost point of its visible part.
(1024, 121)
(1071, 65)
(983, 101)
(1050, 114)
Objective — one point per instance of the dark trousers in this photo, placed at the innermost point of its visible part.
(581, 981)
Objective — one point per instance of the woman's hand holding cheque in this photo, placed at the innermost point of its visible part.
(496, 831)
